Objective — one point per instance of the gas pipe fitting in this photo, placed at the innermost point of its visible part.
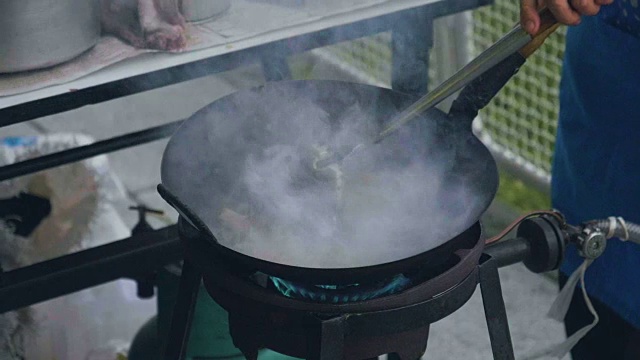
(591, 242)
(592, 238)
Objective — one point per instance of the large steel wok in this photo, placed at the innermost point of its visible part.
(204, 171)
(242, 172)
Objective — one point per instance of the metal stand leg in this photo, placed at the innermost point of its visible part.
(494, 310)
(178, 337)
(331, 345)
(245, 337)
(411, 41)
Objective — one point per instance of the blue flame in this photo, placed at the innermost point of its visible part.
(340, 294)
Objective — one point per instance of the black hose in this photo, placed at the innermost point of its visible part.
(509, 252)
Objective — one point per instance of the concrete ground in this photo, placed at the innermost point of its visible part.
(460, 336)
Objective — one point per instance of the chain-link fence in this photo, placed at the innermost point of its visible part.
(519, 125)
(367, 59)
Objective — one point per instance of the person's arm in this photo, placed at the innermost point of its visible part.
(567, 12)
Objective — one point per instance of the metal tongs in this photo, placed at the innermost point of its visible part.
(516, 40)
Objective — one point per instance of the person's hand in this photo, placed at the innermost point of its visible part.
(567, 12)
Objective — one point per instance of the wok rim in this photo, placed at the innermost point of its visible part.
(191, 228)
(465, 241)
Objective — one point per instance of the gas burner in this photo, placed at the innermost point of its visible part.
(363, 291)
(341, 293)
(363, 320)
(295, 323)
(272, 305)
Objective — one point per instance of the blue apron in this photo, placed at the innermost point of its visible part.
(596, 168)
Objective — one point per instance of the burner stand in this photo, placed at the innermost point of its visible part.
(396, 324)
(351, 336)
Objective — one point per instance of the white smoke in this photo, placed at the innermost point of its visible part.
(397, 200)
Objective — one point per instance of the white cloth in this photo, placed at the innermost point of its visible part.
(244, 19)
(559, 310)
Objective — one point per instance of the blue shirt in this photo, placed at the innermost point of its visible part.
(596, 168)
(623, 14)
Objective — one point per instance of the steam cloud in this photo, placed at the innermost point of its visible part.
(398, 198)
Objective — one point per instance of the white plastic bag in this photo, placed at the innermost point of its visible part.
(94, 323)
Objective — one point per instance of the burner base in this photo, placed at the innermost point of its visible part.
(323, 336)
(249, 336)
(350, 336)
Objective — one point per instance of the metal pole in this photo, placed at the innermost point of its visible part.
(183, 310)
(83, 152)
(495, 311)
(128, 258)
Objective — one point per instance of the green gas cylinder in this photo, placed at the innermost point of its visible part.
(209, 337)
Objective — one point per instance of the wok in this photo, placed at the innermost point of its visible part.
(447, 176)
(239, 171)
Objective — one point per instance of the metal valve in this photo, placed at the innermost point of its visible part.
(541, 241)
(146, 282)
(142, 225)
(591, 242)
